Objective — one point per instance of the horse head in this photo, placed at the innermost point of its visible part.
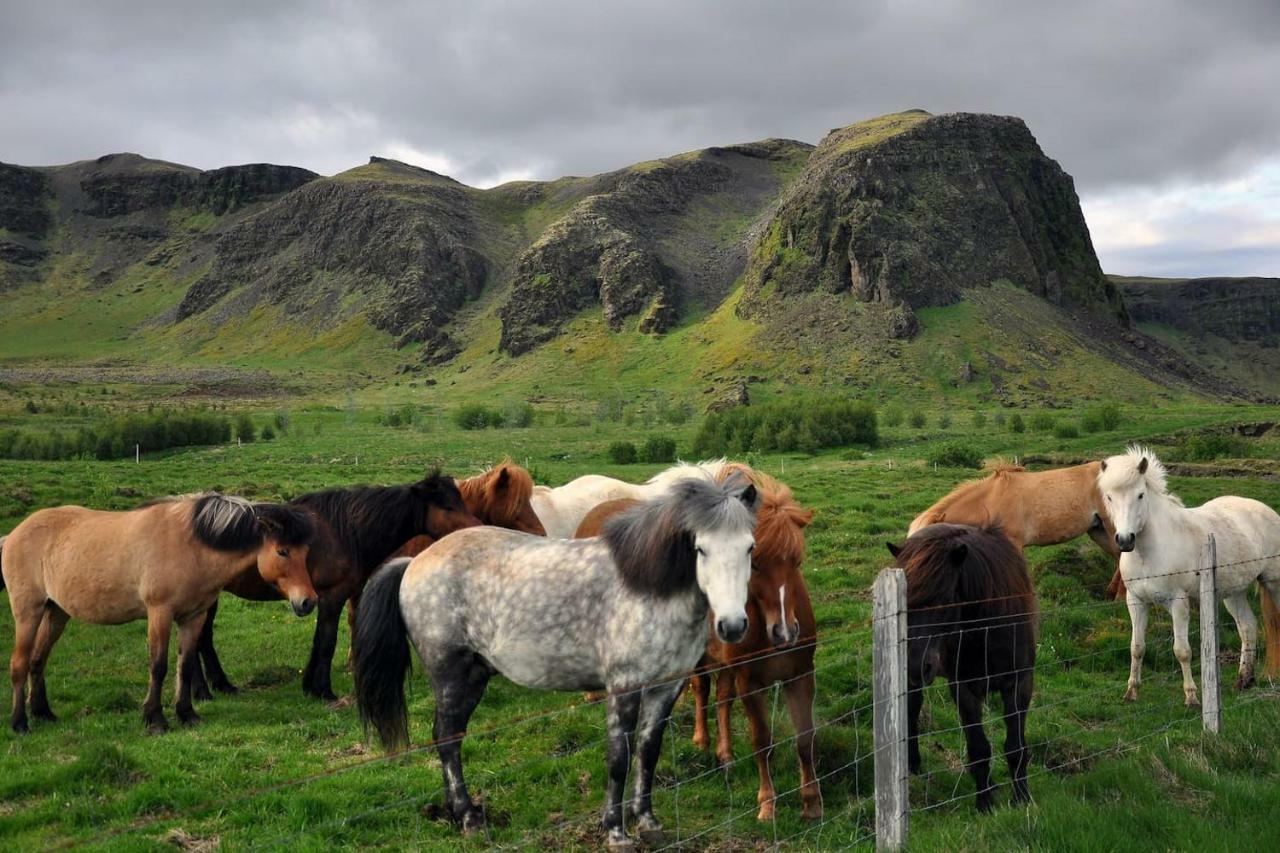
(1130, 483)
(502, 497)
(445, 509)
(776, 584)
(282, 554)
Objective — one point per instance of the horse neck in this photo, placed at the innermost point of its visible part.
(1167, 522)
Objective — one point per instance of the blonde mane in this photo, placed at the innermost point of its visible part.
(1122, 471)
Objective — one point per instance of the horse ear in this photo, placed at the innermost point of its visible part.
(503, 480)
(895, 550)
(748, 496)
(959, 553)
(268, 525)
(1142, 466)
(1104, 464)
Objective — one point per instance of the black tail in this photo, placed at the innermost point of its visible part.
(380, 657)
(2, 538)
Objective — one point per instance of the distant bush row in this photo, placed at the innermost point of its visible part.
(116, 438)
(802, 424)
(477, 416)
(655, 449)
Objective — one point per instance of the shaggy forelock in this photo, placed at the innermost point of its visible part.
(1122, 471)
(701, 505)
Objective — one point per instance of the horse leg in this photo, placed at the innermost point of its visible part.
(755, 705)
(353, 604)
(1017, 699)
(316, 681)
(1247, 625)
(969, 704)
(212, 668)
(1180, 610)
(915, 701)
(26, 626)
(799, 695)
(725, 692)
(159, 623)
(188, 661)
(655, 711)
(51, 627)
(1137, 645)
(623, 709)
(458, 685)
(701, 689)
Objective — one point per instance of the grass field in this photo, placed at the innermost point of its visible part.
(271, 769)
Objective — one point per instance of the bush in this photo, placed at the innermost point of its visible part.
(268, 433)
(999, 419)
(622, 453)
(518, 415)
(979, 419)
(798, 424)
(283, 421)
(403, 416)
(1206, 448)
(955, 454)
(1066, 430)
(117, 437)
(893, 415)
(245, 430)
(658, 449)
(944, 420)
(1101, 419)
(1016, 424)
(916, 420)
(476, 416)
(1042, 422)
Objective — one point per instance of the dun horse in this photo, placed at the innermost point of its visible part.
(1033, 508)
(357, 528)
(1162, 543)
(971, 614)
(624, 612)
(164, 562)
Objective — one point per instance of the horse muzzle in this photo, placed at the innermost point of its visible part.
(303, 606)
(1126, 542)
(731, 630)
(782, 635)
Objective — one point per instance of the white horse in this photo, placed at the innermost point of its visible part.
(626, 611)
(1162, 543)
(562, 509)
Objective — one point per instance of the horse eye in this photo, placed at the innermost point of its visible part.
(283, 552)
(751, 548)
(1140, 494)
(701, 553)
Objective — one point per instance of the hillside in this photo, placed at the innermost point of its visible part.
(857, 263)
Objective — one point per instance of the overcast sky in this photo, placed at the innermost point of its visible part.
(1166, 113)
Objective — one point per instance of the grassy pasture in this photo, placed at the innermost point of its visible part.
(271, 769)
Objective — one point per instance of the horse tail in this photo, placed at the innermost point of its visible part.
(2, 538)
(380, 657)
(1271, 623)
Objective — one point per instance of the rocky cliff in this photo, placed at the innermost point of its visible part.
(1236, 309)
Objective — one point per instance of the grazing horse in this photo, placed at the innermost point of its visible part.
(780, 617)
(357, 528)
(1033, 508)
(624, 612)
(1162, 543)
(165, 562)
(971, 614)
(563, 508)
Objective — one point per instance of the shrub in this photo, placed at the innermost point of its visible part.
(893, 415)
(268, 433)
(1206, 448)
(787, 425)
(955, 454)
(1042, 422)
(117, 437)
(1101, 419)
(1066, 430)
(476, 416)
(999, 419)
(658, 449)
(283, 422)
(622, 453)
(518, 415)
(679, 414)
(1016, 424)
(944, 420)
(916, 420)
(245, 430)
(979, 419)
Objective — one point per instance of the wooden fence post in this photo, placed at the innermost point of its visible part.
(889, 717)
(1211, 694)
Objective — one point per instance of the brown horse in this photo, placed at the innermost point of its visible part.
(780, 616)
(164, 562)
(357, 528)
(1033, 508)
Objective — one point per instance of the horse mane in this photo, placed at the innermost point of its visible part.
(988, 571)
(370, 522)
(709, 470)
(227, 523)
(652, 543)
(1122, 472)
(781, 520)
(480, 491)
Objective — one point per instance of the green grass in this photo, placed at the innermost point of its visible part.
(95, 779)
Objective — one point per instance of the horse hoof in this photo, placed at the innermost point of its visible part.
(653, 837)
(472, 822)
(1131, 695)
(227, 687)
(1193, 702)
(1243, 683)
(701, 741)
(201, 694)
(620, 844)
(766, 813)
(158, 727)
(724, 760)
(190, 718)
(21, 727)
(44, 714)
(811, 815)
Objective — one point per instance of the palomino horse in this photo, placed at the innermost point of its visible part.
(357, 528)
(780, 616)
(971, 614)
(563, 508)
(164, 562)
(624, 612)
(1033, 508)
(1162, 543)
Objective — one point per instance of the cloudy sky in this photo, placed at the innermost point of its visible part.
(1167, 113)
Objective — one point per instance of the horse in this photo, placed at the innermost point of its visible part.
(563, 508)
(165, 562)
(357, 528)
(625, 612)
(780, 616)
(971, 613)
(1161, 542)
(1033, 508)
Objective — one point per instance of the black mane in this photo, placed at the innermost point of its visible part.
(227, 523)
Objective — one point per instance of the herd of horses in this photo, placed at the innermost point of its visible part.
(631, 589)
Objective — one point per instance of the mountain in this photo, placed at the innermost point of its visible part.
(862, 262)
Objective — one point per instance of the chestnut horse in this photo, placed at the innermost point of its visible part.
(1033, 508)
(165, 562)
(780, 616)
(357, 528)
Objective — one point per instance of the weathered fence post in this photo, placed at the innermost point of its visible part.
(1211, 694)
(889, 697)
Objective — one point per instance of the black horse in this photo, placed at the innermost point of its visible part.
(357, 528)
(971, 615)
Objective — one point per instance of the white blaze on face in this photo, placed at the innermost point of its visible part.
(724, 569)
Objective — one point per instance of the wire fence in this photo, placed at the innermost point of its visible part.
(857, 760)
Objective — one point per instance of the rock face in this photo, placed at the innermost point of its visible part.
(125, 183)
(910, 209)
(1237, 309)
(25, 220)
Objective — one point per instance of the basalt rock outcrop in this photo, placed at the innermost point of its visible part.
(1237, 309)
